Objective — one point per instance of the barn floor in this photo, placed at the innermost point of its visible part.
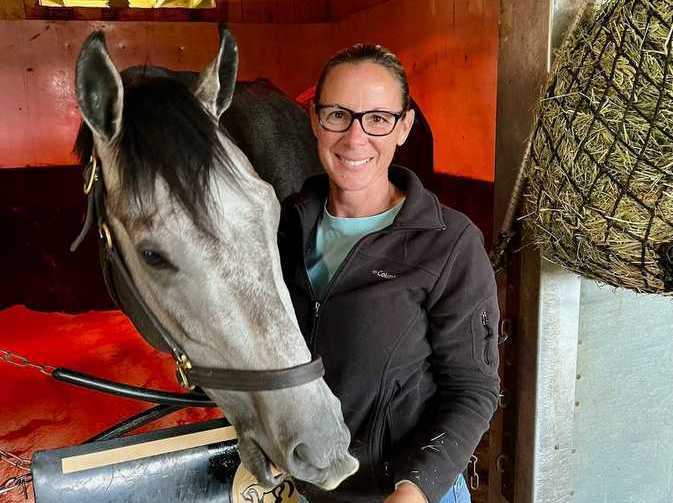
(38, 412)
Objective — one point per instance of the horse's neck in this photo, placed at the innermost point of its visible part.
(275, 134)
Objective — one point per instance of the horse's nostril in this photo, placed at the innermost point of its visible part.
(304, 457)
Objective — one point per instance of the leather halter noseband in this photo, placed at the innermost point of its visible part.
(123, 291)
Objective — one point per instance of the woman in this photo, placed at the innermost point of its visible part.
(393, 290)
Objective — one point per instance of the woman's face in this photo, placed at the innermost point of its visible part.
(354, 160)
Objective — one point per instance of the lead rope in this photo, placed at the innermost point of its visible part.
(506, 233)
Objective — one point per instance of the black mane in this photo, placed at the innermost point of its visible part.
(165, 132)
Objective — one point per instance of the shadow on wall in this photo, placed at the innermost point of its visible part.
(43, 209)
(472, 197)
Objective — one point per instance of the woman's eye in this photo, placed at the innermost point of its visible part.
(338, 115)
(155, 259)
(379, 119)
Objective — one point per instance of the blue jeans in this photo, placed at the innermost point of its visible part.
(459, 493)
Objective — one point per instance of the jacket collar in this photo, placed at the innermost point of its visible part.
(421, 208)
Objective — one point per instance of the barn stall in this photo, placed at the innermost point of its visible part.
(55, 310)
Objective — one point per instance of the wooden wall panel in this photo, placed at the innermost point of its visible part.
(449, 49)
(12, 9)
(340, 9)
(233, 11)
(37, 103)
(450, 52)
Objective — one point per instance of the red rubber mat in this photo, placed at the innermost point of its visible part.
(38, 412)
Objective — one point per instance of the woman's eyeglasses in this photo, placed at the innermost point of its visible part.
(374, 122)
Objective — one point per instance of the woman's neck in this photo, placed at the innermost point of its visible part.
(362, 203)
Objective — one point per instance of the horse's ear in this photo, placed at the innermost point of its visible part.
(215, 86)
(100, 93)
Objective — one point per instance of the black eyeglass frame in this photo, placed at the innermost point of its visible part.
(357, 116)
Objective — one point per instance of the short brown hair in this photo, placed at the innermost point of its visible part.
(359, 53)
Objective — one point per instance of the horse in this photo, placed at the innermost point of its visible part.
(195, 225)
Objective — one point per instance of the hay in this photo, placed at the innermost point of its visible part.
(599, 193)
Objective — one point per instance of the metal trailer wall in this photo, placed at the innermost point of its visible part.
(537, 299)
(623, 422)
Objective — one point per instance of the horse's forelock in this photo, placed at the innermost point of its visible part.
(165, 133)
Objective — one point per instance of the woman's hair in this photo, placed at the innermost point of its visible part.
(359, 53)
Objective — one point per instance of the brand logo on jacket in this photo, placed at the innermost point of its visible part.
(384, 274)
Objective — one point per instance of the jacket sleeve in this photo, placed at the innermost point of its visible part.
(463, 317)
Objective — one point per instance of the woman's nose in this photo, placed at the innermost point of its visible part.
(355, 133)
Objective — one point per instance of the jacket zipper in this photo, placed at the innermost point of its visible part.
(319, 303)
(489, 334)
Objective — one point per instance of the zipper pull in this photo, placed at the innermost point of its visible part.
(484, 322)
(316, 309)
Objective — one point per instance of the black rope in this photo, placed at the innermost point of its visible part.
(133, 392)
(135, 422)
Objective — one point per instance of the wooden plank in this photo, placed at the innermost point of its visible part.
(339, 9)
(257, 11)
(285, 11)
(318, 9)
(108, 457)
(233, 11)
(12, 9)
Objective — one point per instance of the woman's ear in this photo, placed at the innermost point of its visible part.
(406, 122)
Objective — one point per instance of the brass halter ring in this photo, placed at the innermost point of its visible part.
(88, 185)
(104, 233)
(182, 368)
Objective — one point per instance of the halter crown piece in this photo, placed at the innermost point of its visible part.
(122, 289)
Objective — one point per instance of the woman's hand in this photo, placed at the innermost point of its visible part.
(406, 492)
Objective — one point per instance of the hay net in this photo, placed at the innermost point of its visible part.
(599, 176)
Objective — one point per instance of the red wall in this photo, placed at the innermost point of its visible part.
(449, 48)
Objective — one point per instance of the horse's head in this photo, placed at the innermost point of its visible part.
(197, 230)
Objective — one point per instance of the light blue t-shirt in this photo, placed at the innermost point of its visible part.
(334, 238)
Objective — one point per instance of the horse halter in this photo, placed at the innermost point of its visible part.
(123, 291)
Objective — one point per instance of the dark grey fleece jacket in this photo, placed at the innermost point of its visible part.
(407, 329)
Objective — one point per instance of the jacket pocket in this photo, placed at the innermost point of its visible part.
(380, 438)
(484, 327)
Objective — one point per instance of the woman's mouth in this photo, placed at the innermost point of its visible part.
(353, 162)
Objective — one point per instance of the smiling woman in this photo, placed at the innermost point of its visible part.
(393, 289)
(356, 149)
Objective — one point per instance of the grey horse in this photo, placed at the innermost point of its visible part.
(196, 226)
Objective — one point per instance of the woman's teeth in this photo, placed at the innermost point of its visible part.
(353, 164)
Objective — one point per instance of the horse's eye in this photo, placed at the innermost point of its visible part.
(155, 259)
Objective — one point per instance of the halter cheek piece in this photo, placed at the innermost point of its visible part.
(123, 291)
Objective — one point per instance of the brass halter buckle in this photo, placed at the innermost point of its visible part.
(182, 368)
(104, 233)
